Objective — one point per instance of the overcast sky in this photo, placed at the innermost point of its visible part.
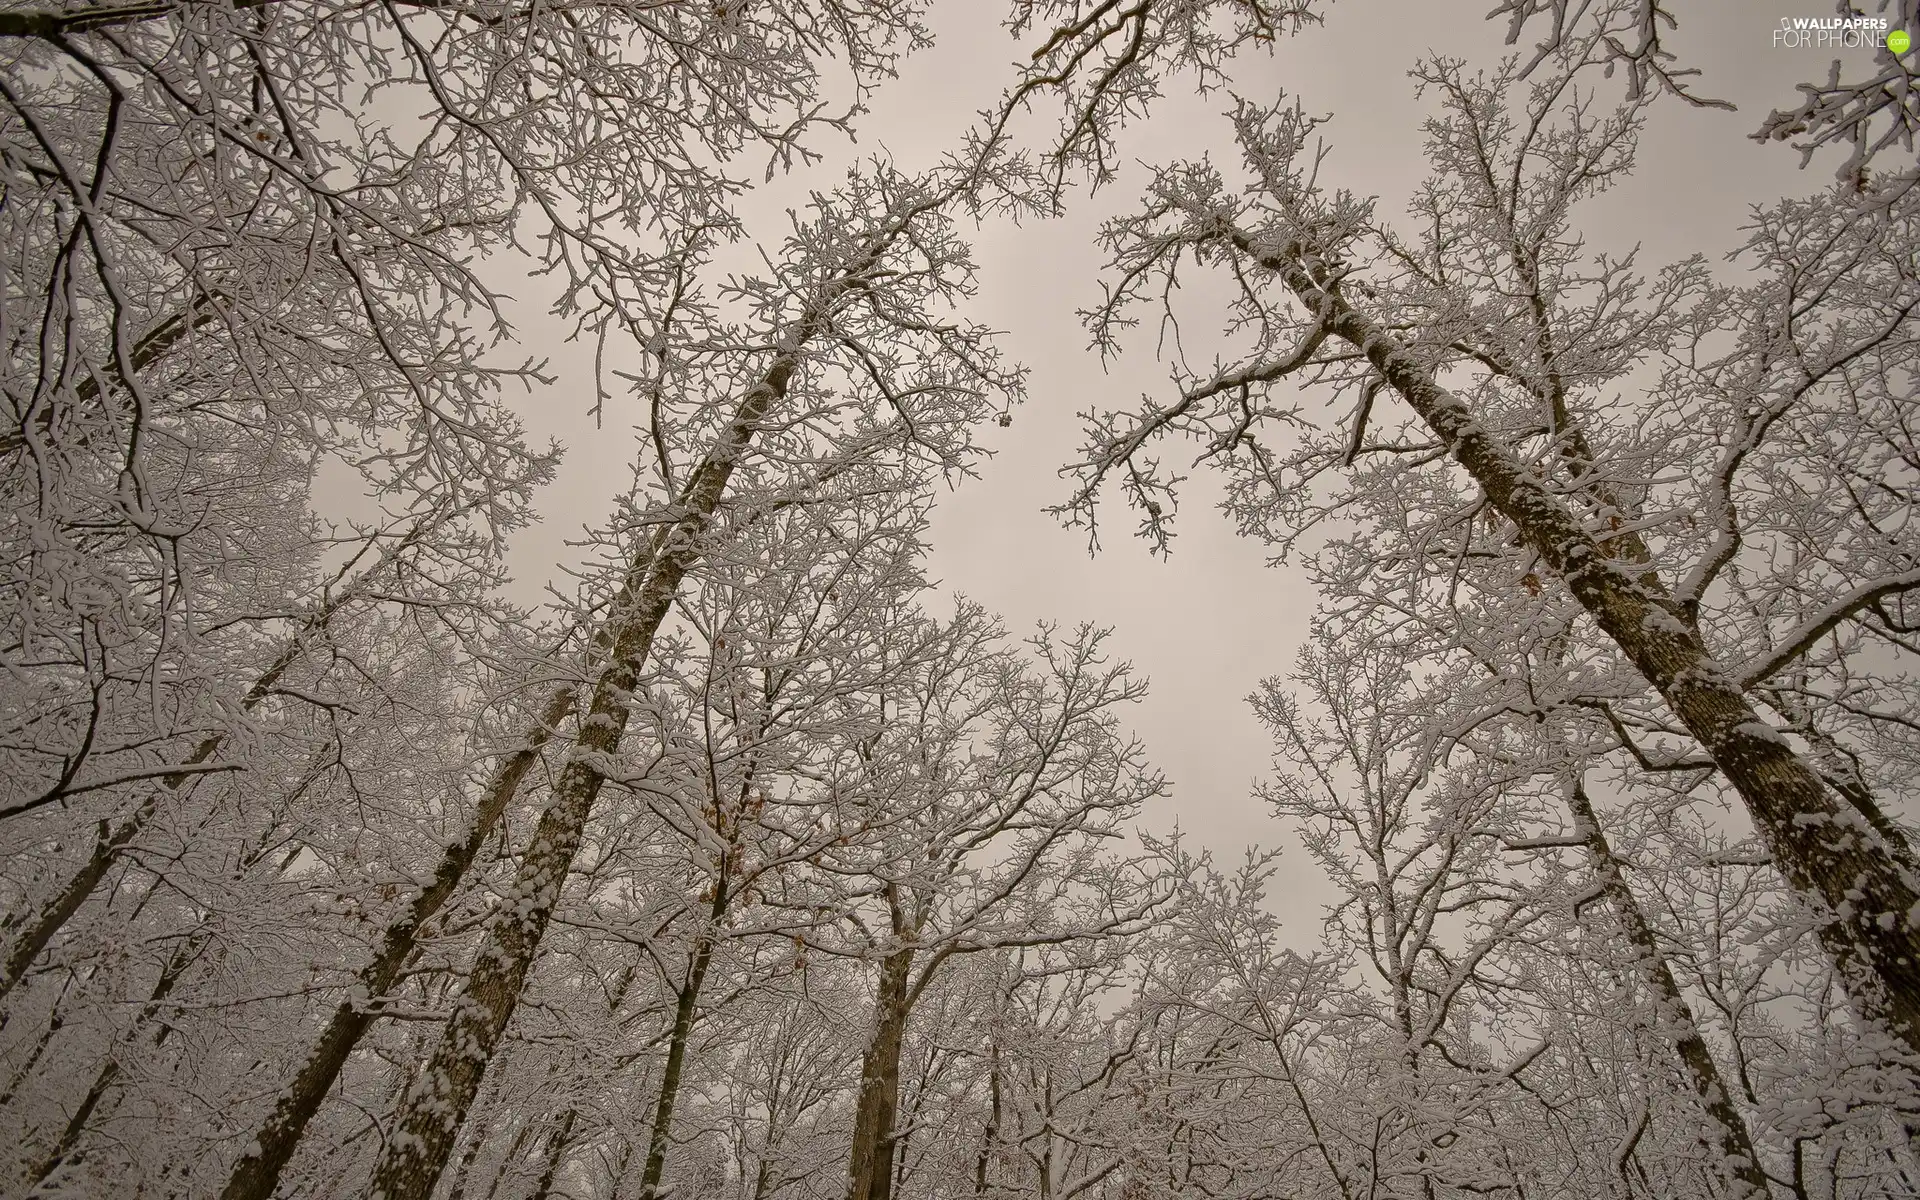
(1209, 623)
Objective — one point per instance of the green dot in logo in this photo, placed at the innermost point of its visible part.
(1899, 42)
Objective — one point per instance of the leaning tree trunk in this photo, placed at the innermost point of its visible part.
(686, 1003)
(556, 1153)
(1673, 1019)
(1868, 908)
(109, 843)
(430, 1116)
(870, 1163)
(505, 1167)
(1842, 774)
(257, 1173)
(184, 955)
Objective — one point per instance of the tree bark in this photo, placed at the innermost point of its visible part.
(457, 1189)
(1868, 909)
(507, 1160)
(431, 1114)
(563, 1134)
(257, 1173)
(557, 1144)
(1842, 775)
(686, 1004)
(54, 25)
(870, 1163)
(112, 841)
(990, 1134)
(183, 956)
(1674, 1019)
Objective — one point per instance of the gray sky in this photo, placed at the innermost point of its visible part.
(1209, 623)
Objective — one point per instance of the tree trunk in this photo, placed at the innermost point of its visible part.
(257, 1173)
(990, 1135)
(1869, 910)
(430, 1116)
(58, 910)
(686, 1003)
(108, 846)
(507, 1160)
(1739, 1165)
(183, 956)
(557, 1144)
(56, 1021)
(1841, 774)
(457, 1189)
(870, 1164)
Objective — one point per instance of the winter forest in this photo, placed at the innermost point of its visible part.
(352, 848)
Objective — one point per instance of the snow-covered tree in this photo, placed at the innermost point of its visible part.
(1700, 487)
(754, 866)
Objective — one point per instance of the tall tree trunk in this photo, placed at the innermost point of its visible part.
(257, 1173)
(56, 1020)
(457, 1189)
(1842, 774)
(507, 1160)
(618, 1170)
(990, 1135)
(431, 1114)
(183, 956)
(870, 1163)
(1869, 909)
(557, 1144)
(686, 1003)
(1739, 1165)
(430, 1117)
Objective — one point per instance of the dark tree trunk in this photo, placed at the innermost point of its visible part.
(563, 1135)
(1828, 852)
(112, 841)
(257, 1173)
(990, 1135)
(686, 1004)
(430, 1117)
(1739, 1165)
(557, 1143)
(63, 1152)
(870, 1164)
